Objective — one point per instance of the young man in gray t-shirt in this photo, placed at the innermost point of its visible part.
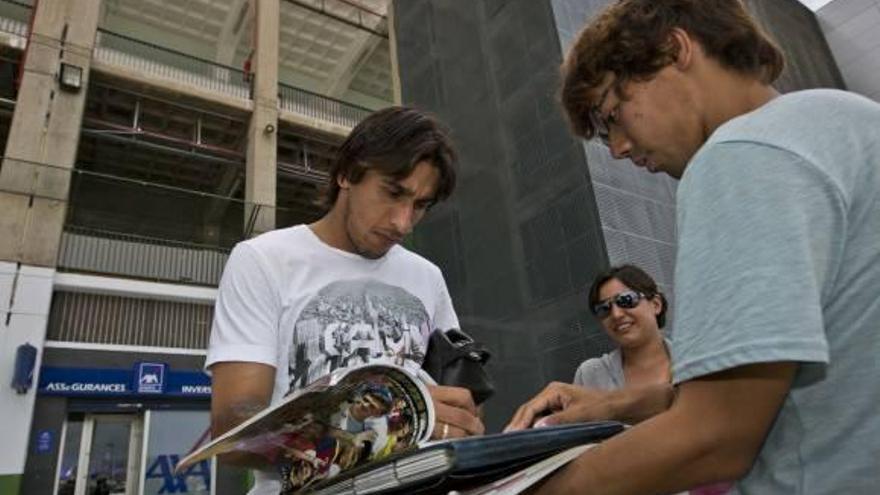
(775, 355)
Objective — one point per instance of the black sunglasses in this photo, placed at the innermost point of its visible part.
(627, 299)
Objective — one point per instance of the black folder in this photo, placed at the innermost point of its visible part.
(438, 467)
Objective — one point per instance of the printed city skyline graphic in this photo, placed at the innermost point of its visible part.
(350, 322)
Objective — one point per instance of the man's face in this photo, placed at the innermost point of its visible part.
(653, 123)
(380, 211)
(368, 406)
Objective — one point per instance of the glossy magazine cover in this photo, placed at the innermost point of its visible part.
(341, 421)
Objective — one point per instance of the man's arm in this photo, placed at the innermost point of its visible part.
(566, 403)
(713, 432)
(240, 390)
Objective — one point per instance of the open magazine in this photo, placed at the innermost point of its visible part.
(366, 430)
(497, 464)
(344, 420)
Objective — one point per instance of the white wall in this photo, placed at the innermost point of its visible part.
(25, 294)
(852, 28)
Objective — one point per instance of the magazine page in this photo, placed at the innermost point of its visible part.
(338, 422)
(371, 414)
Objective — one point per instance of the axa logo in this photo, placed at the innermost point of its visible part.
(195, 479)
(149, 378)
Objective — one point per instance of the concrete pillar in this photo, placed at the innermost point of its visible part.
(392, 48)
(34, 182)
(261, 168)
(44, 134)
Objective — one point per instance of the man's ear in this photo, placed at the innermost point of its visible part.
(685, 46)
(343, 182)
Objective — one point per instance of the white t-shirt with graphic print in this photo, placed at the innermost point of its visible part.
(289, 300)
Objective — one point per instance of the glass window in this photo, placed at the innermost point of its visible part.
(70, 456)
(108, 460)
(172, 435)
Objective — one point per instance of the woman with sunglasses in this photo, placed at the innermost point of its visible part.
(632, 311)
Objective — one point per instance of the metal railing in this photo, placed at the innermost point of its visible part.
(96, 251)
(313, 105)
(116, 49)
(157, 61)
(303, 173)
(14, 18)
(117, 320)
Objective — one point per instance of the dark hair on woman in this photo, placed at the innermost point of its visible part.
(632, 39)
(636, 279)
(392, 141)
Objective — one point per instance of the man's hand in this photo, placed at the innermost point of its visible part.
(457, 415)
(712, 433)
(562, 403)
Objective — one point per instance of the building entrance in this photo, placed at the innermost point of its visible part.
(100, 455)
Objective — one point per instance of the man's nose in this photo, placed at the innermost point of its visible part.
(619, 145)
(402, 217)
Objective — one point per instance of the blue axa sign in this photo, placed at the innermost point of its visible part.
(150, 378)
(154, 379)
(198, 475)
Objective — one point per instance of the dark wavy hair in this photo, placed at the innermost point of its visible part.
(632, 39)
(392, 141)
(636, 279)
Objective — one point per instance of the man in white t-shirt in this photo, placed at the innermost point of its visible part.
(297, 303)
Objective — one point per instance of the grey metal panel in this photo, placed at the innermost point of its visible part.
(809, 60)
(95, 318)
(141, 258)
(520, 239)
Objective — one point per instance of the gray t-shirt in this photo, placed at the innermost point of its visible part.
(779, 260)
(604, 372)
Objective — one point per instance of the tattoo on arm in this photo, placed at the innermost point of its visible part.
(246, 409)
(237, 413)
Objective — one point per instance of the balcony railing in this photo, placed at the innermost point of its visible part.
(96, 251)
(320, 107)
(164, 63)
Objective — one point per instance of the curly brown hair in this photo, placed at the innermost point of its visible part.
(632, 39)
